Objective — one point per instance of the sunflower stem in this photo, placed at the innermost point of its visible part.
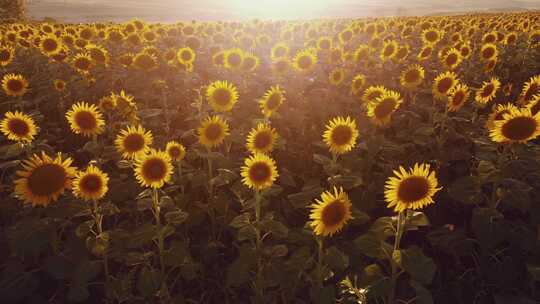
(320, 275)
(98, 219)
(259, 283)
(161, 246)
(211, 197)
(394, 266)
(180, 180)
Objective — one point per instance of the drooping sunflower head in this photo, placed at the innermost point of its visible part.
(518, 126)
(498, 112)
(534, 104)
(222, 96)
(272, 99)
(412, 77)
(185, 55)
(259, 172)
(7, 53)
(457, 97)
(43, 179)
(372, 93)
(175, 150)
(153, 169)
(305, 60)
(488, 91)
(389, 50)
(261, 139)
(133, 142)
(90, 184)
(213, 131)
(443, 84)
(98, 54)
(530, 89)
(357, 84)
(330, 214)
(381, 110)
(145, 61)
(340, 135)
(14, 85)
(85, 119)
(233, 58)
(18, 126)
(411, 189)
(336, 76)
(83, 62)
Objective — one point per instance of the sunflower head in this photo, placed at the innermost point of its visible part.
(14, 85)
(146, 62)
(59, 85)
(50, 45)
(517, 126)
(389, 50)
(457, 97)
(176, 151)
(412, 77)
(259, 172)
(336, 76)
(272, 100)
(44, 179)
(222, 96)
(153, 169)
(261, 139)
(357, 84)
(305, 60)
(330, 214)
(17, 126)
(381, 110)
(185, 55)
(340, 135)
(85, 119)
(372, 93)
(411, 189)
(90, 184)
(7, 53)
(133, 142)
(83, 62)
(488, 51)
(443, 84)
(488, 91)
(213, 131)
(452, 59)
(233, 58)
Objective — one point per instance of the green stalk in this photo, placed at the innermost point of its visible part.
(98, 219)
(259, 282)
(394, 267)
(161, 245)
(320, 278)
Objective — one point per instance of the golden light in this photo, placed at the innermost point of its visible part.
(280, 9)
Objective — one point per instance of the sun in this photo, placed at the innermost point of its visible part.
(280, 9)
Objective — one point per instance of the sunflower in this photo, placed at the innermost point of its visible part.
(402, 53)
(98, 54)
(489, 51)
(324, 43)
(7, 53)
(175, 150)
(304, 61)
(85, 119)
(43, 179)
(358, 83)
(233, 58)
(59, 85)
(530, 89)
(340, 135)
(389, 50)
(50, 45)
(425, 53)
(259, 172)
(331, 212)
(83, 62)
(250, 62)
(17, 126)
(488, 91)
(126, 59)
(518, 126)
(14, 85)
(431, 36)
(272, 99)
(412, 77)
(361, 53)
(413, 189)
(443, 84)
(534, 104)
(381, 110)
(452, 59)
(153, 169)
(222, 96)
(185, 56)
(337, 76)
(90, 184)
(457, 97)
(261, 139)
(498, 113)
(279, 50)
(372, 93)
(213, 131)
(133, 142)
(146, 62)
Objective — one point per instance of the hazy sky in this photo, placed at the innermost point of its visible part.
(168, 10)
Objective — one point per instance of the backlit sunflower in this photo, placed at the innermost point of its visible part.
(413, 189)
(357, 84)
(7, 53)
(340, 135)
(233, 58)
(83, 62)
(153, 169)
(372, 93)
(452, 59)
(389, 50)
(530, 89)
(99, 54)
(261, 139)
(175, 150)
(489, 51)
(18, 126)
(59, 85)
(304, 61)
(425, 53)
(498, 113)
(213, 131)
(91, 184)
(14, 85)
(381, 110)
(432, 36)
(222, 96)
(488, 91)
(518, 126)
(259, 172)
(362, 53)
(146, 62)
(412, 77)
(336, 76)
(330, 214)
(324, 43)
(250, 62)
(457, 97)
(279, 50)
(185, 56)
(443, 84)
(272, 99)
(85, 119)
(43, 179)
(50, 45)
(133, 142)
(534, 104)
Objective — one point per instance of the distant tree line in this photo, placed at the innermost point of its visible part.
(12, 10)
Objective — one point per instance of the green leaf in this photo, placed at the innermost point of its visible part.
(466, 190)
(240, 221)
(278, 229)
(420, 267)
(321, 159)
(336, 259)
(383, 227)
(238, 272)
(304, 198)
(276, 251)
(148, 282)
(359, 217)
(348, 182)
(176, 217)
(416, 219)
(372, 246)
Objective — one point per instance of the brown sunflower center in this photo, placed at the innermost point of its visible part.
(154, 169)
(273, 101)
(83, 63)
(90, 183)
(144, 62)
(444, 85)
(263, 140)
(535, 108)
(324, 44)
(186, 55)
(222, 96)
(50, 45)
(519, 128)
(389, 50)
(385, 108)
(18, 127)
(5, 55)
(305, 62)
(259, 172)
(85, 120)
(425, 52)
(412, 189)
(234, 59)
(175, 152)
(487, 53)
(488, 90)
(432, 36)
(533, 90)
(47, 179)
(213, 131)
(341, 135)
(412, 76)
(134, 142)
(280, 51)
(458, 98)
(465, 51)
(98, 55)
(451, 59)
(336, 76)
(333, 213)
(15, 85)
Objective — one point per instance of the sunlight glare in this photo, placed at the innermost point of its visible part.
(280, 9)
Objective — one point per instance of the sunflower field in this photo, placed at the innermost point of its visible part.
(381, 160)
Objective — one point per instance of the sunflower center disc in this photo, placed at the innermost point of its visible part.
(519, 128)
(18, 127)
(341, 135)
(413, 189)
(259, 172)
(333, 213)
(133, 143)
(47, 179)
(154, 169)
(91, 183)
(85, 120)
